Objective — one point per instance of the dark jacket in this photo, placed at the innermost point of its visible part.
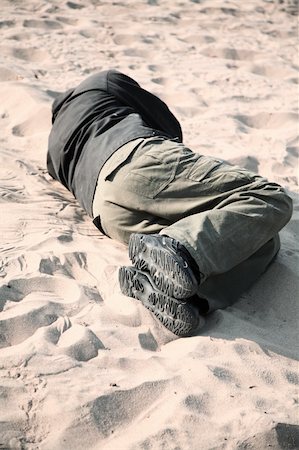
(92, 121)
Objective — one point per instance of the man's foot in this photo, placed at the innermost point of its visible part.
(167, 261)
(178, 316)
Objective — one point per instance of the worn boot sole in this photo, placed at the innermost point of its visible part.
(167, 266)
(178, 316)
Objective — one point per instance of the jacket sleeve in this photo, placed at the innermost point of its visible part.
(153, 111)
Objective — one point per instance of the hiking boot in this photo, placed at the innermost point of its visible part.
(167, 261)
(178, 316)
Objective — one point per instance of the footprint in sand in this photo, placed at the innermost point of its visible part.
(21, 321)
(78, 265)
(89, 33)
(8, 75)
(289, 6)
(187, 111)
(79, 343)
(113, 411)
(160, 80)
(7, 23)
(198, 403)
(30, 54)
(267, 376)
(28, 304)
(125, 39)
(220, 11)
(285, 168)
(21, 37)
(198, 39)
(166, 437)
(67, 20)
(223, 374)
(136, 52)
(265, 120)
(272, 72)
(229, 53)
(74, 5)
(148, 342)
(281, 436)
(155, 68)
(292, 377)
(63, 290)
(39, 122)
(43, 24)
(55, 336)
(292, 157)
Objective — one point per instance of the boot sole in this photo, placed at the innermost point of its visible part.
(180, 317)
(170, 273)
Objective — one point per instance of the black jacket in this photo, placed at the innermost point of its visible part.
(92, 121)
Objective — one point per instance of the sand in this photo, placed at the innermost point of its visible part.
(81, 365)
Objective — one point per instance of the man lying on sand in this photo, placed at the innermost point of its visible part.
(199, 230)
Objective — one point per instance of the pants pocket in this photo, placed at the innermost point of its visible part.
(216, 175)
(152, 172)
(202, 168)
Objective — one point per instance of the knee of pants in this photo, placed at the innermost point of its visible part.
(282, 202)
(288, 206)
(279, 203)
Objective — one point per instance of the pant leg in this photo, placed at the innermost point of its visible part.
(237, 227)
(224, 289)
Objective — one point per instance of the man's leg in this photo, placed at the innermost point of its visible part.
(125, 217)
(221, 214)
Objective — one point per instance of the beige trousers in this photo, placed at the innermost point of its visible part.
(228, 218)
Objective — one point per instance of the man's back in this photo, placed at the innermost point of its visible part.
(90, 122)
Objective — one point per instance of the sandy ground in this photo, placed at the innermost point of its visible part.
(81, 365)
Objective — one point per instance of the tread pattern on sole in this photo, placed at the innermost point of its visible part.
(170, 272)
(177, 316)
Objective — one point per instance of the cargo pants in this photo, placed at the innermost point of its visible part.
(228, 218)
